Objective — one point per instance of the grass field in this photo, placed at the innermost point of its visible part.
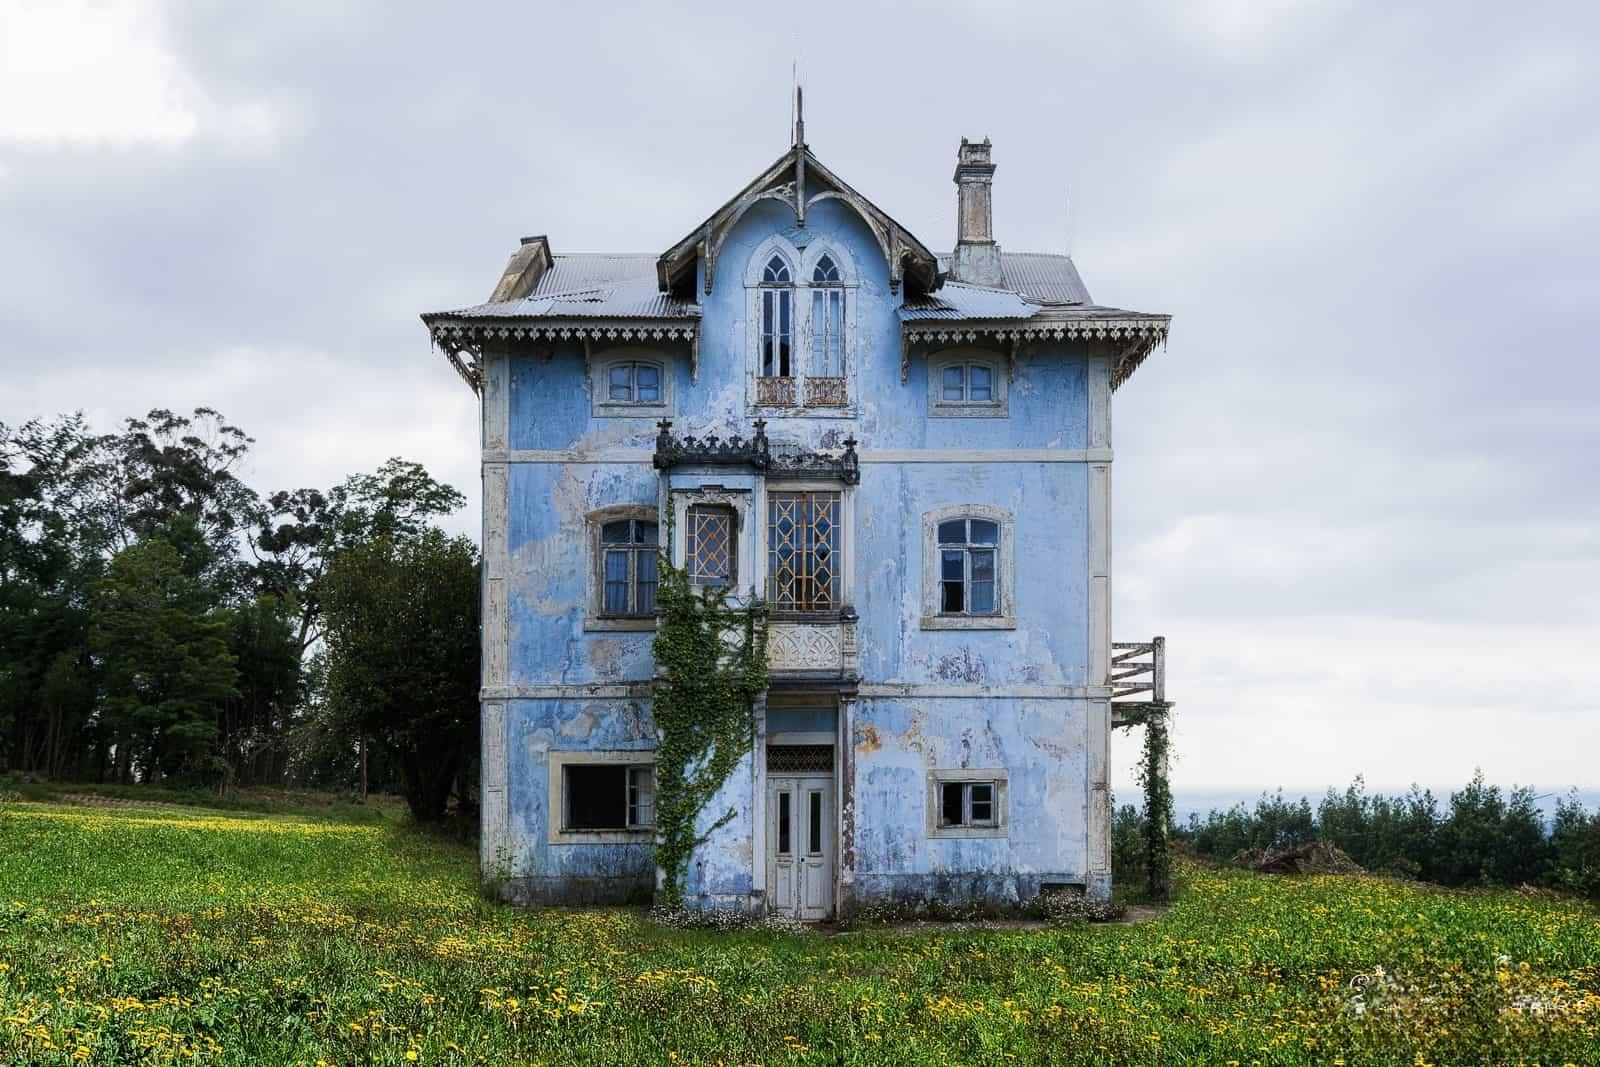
(177, 935)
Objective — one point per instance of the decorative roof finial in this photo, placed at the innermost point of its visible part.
(799, 114)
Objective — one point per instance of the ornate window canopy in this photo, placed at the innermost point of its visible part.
(756, 452)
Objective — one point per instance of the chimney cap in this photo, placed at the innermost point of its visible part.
(973, 161)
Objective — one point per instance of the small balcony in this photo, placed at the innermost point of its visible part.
(1138, 680)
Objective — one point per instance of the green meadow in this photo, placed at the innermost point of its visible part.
(339, 935)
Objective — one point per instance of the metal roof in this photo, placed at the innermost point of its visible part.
(1042, 277)
(586, 285)
(955, 300)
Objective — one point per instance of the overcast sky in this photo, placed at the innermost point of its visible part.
(1357, 492)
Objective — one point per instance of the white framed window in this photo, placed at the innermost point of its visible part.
(631, 383)
(969, 384)
(967, 802)
(624, 547)
(969, 574)
(802, 323)
(601, 796)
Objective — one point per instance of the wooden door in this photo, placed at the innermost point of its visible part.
(800, 846)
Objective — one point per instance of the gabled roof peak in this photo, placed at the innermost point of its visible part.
(799, 180)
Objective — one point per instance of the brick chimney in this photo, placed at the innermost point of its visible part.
(977, 257)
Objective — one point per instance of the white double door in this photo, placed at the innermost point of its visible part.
(800, 846)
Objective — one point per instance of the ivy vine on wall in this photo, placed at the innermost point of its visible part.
(1157, 797)
(711, 666)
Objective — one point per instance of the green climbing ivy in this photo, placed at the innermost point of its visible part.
(711, 666)
(1157, 807)
(1157, 827)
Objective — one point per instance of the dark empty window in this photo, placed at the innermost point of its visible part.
(968, 549)
(633, 383)
(967, 804)
(628, 567)
(777, 320)
(814, 844)
(609, 796)
(783, 823)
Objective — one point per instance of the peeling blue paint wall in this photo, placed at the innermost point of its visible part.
(896, 740)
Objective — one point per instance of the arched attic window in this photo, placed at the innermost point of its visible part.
(827, 319)
(777, 319)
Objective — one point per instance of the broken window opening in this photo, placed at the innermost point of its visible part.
(609, 796)
(967, 804)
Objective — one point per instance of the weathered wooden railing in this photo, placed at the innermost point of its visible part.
(1138, 679)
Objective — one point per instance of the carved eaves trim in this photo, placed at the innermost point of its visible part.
(462, 341)
(1140, 334)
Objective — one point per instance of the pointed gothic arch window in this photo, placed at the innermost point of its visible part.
(827, 319)
(777, 319)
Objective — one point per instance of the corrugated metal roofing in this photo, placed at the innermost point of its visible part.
(592, 286)
(954, 300)
(623, 285)
(1042, 277)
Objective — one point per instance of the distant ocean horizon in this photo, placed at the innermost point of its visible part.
(1201, 800)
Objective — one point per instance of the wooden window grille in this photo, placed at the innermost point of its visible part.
(713, 558)
(628, 550)
(799, 759)
(803, 560)
(968, 551)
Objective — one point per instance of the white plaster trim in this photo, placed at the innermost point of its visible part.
(1099, 402)
(603, 407)
(556, 809)
(1099, 538)
(986, 455)
(887, 455)
(577, 691)
(868, 690)
(641, 690)
(939, 776)
(495, 859)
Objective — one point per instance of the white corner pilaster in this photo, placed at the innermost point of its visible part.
(496, 857)
(1097, 728)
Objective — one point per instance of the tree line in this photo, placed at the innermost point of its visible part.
(1481, 836)
(163, 622)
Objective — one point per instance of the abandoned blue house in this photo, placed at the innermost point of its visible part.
(906, 453)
